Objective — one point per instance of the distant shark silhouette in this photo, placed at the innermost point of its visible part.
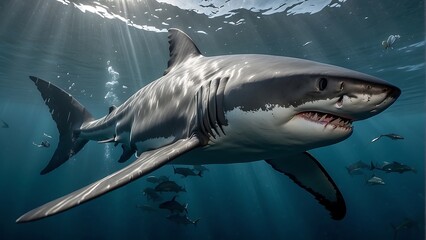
(223, 109)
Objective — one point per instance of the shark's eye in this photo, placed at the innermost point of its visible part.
(322, 84)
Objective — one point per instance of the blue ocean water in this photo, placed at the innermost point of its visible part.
(104, 51)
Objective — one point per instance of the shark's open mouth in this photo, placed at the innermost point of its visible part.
(327, 119)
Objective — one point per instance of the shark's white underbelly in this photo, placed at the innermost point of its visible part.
(249, 136)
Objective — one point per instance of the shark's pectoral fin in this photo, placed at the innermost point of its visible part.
(308, 173)
(146, 163)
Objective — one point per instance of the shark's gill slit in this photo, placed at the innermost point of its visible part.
(220, 114)
(205, 106)
(214, 84)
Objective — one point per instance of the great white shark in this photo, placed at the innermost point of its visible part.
(221, 109)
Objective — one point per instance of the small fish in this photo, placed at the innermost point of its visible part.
(4, 124)
(200, 168)
(46, 135)
(45, 144)
(392, 136)
(163, 179)
(374, 180)
(185, 172)
(169, 186)
(388, 43)
(174, 206)
(307, 43)
(392, 167)
(357, 168)
(182, 219)
(152, 179)
(151, 194)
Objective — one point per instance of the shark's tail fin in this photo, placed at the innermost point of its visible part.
(69, 115)
(376, 138)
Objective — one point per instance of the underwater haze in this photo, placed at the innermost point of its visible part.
(104, 51)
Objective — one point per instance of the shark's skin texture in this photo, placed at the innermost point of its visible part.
(221, 109)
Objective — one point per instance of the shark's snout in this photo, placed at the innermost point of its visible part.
(367, 100)
(393, 92)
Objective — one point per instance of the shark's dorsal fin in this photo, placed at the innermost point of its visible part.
(181, 48)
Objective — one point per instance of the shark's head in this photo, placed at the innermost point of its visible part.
(309, 103)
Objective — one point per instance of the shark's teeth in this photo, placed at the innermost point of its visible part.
(327, 119)
(323, 118)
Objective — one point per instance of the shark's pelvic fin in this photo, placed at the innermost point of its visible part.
(181, 48)
(127, 153)
(69, 115)
(308, 173)
(111, 108)
(146, 163)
